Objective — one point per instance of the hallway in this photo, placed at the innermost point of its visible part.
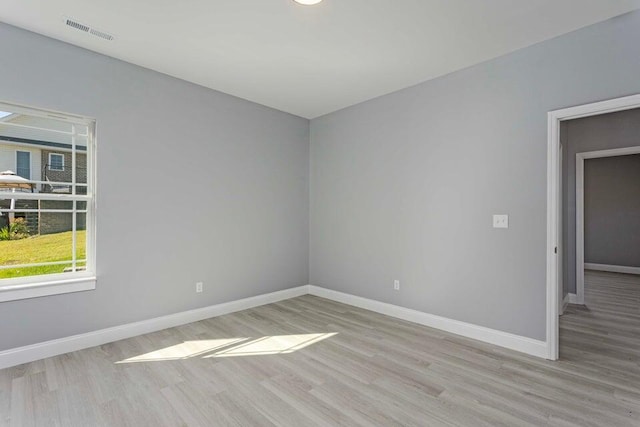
(603, 337)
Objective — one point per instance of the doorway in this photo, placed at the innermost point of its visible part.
(620, 159)
(555, 273)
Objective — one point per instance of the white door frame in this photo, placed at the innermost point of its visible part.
(580, 158)
(554, 204)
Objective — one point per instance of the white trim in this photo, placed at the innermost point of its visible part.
(579, 267)
(597, 108)
(573, 298)
(46, 288)
(51, 196)
(580, 158)
(41, 210)
(503, 339)
(553, 204)
(565, 303)
(560, 266)
(37, 264)
(18, 125)
(35, 286)
(30, 353)
(625, 151)
(553, 186)
(90, 226)
(612, 268)
(46, 113)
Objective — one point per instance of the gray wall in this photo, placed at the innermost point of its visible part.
(612, 210)
(192, 185)
(607, 131)
(404, 186)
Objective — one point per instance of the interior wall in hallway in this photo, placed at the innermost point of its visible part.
(602, 132)
(612, 210)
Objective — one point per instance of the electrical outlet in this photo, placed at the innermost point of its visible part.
(501, 221)
(396, 285)
(199, 287)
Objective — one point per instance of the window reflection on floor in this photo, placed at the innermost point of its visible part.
(232, 347)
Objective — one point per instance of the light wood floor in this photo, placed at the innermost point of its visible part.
(280, 365)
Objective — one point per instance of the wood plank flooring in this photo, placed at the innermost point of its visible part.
(312, 362)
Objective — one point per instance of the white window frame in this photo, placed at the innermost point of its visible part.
(53, 284)
(30, 162)
(50, 161)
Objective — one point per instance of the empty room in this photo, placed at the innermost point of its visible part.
(319, 213)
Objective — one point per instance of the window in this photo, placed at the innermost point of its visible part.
(47, 207)
(56, 162)
(23, 164)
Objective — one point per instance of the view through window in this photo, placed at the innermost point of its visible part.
(46, 195)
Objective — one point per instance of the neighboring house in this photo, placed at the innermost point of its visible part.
(39, 149)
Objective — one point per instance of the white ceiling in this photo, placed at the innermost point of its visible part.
(309, 60)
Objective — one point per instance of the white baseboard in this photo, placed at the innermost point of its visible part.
(503, 339)
(29, 353)
(612, 268)
(573, 299)
(565, 303)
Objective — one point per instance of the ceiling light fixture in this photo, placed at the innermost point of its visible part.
(307, 2)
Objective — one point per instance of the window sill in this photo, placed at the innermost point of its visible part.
(46, 288)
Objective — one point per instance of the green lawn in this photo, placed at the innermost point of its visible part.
(47, 248)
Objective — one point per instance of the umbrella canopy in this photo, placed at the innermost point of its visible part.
(9, 180)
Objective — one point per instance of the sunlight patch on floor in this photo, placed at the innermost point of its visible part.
(231, 347)
(279, 344)
(184, 350)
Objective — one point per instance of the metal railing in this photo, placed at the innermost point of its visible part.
(56, 180)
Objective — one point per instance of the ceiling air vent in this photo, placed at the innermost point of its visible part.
(87, 29)
(101, 34)
(76, 25)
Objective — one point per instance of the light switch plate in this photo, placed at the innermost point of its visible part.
(501, 221)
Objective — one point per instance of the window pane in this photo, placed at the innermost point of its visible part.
(20, 244)
(48, 155)
(56, 162)
(23, 164)
(25, 128)
(81, 241)
(81, 164)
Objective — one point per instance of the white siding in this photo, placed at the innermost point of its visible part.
(8, 158)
